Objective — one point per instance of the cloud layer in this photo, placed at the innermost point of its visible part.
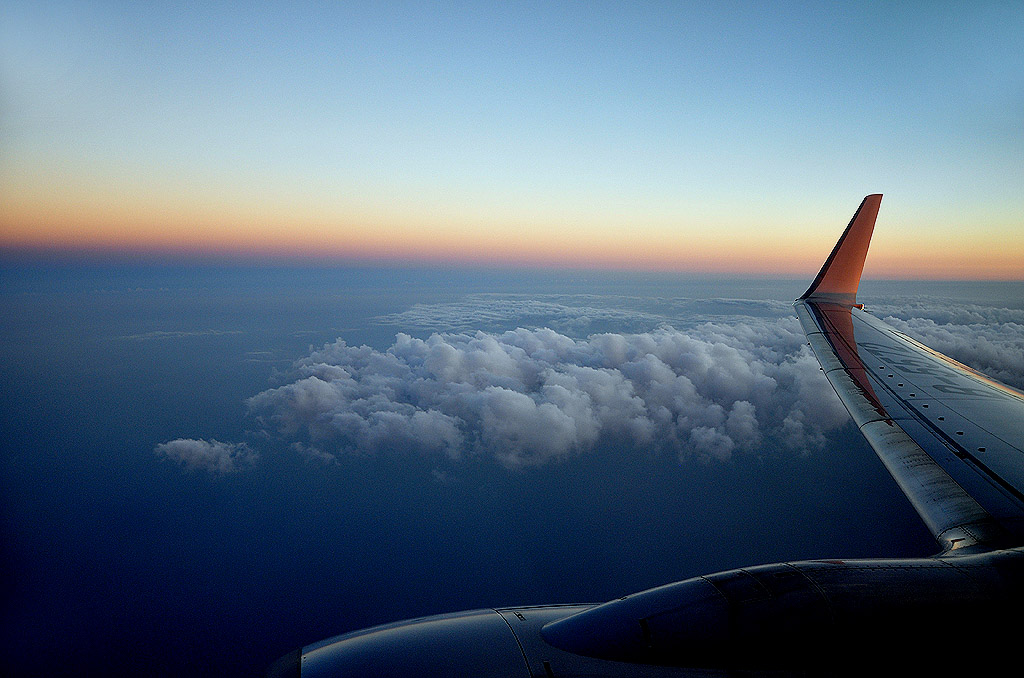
(527, 397)
(579, 315)
(711, 379)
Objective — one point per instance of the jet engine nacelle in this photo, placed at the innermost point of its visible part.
(810, 617)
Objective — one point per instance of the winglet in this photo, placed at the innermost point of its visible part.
(839, 278)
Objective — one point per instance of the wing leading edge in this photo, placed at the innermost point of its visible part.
(952, 438)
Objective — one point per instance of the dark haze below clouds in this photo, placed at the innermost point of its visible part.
(181, 563)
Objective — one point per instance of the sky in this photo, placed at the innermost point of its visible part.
(727, 138)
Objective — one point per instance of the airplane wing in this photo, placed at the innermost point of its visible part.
(952, 438)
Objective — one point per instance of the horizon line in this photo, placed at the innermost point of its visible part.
(100, 255)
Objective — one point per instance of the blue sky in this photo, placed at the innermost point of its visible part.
(468, 130)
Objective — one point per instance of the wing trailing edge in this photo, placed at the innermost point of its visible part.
(839, 277)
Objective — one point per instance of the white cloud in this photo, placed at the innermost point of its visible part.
(527, 397)
(207, 455)
(739, 384)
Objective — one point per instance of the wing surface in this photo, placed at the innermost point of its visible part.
(952, 438)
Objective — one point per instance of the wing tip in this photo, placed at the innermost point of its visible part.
(839, 277)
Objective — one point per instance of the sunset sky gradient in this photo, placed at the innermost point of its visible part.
(735, 138)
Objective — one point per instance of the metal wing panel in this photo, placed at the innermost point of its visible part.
(977, 418)
(949, 436)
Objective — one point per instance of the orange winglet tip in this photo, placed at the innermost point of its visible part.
(838, 279)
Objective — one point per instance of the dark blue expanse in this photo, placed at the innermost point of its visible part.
(116, 559)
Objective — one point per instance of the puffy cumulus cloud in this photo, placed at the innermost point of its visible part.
(207, 455)
(530, 396)
(705, 378)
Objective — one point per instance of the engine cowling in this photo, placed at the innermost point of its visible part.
(811, 615)
(824, 617)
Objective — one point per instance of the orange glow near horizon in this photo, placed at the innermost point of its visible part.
(567, 241)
